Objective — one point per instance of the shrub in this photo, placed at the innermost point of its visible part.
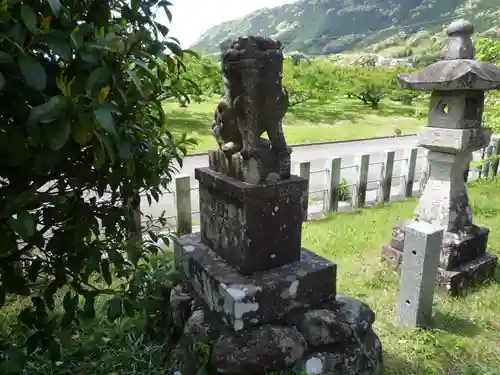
(83, 134)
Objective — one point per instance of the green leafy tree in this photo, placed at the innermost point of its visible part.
(201, 80)
(371, 85)
(83, 134)
(308, 80)
(487, 49)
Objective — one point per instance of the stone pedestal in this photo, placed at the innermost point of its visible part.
(454, 131)
(253, 227)
(262, 302)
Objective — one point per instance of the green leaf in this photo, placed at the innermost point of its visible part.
(97, 79)
(70, 301)
(60, 135)
(5, 58)
(99, 154)
(175, 48)
(115, 308)
(23, 224)
(28, 16)
(55, 6)
(48, 294)
(137, 82)
(33, 73)
(2, 81)
(60, 47)
(47, 112)
(54, 349)
(33, 342)
(104, 116)
(106, 273)
(89, 307)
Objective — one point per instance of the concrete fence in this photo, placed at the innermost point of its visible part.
(336, 194)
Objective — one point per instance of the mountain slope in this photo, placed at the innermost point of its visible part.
(333, 26)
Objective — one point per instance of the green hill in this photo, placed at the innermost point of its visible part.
(387, 27)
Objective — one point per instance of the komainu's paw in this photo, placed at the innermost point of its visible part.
(230, 147)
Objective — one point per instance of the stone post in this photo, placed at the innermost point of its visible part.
(457, 85)
(418, 274)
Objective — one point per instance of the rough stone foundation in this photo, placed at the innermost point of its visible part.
(328, 338)
(463, 261)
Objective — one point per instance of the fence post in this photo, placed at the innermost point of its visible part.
(183, 204)
(486, 163)
(408, 173)
(363, 163)
(386, 179)
(496, 153)
(334, 191)
(425, 173)
(479, 169)
(305, 172)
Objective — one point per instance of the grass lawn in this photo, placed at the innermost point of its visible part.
(312, 121)
(465, 336)
(463, 340)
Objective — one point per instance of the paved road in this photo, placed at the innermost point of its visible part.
(318, 155)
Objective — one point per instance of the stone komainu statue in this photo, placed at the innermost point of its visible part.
(254, 101)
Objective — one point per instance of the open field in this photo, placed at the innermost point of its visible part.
(465, 336)
(338, 119)
(463, 340)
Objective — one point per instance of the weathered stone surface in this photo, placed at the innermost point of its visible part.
(456, 249)
(255, 351)
(245, 301)
(454, 140)
(180, 303)
(269, 167)
(452, 282)
(254, 102)
(455, 281)
(253, 227)
(418, 274)
(336, 320)
(365, 358)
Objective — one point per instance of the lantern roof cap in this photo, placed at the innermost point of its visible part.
(458, 70)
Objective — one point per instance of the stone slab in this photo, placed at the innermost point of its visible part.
(451, 282)
(454, 251)
(454, 140)
(269, 167)
(265, 297)
(253, 227)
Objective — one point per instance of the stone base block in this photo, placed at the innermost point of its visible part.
(452, 282)
(334, 337)
(253, 227)
(456, 249)
(269, 166)
(245, 301)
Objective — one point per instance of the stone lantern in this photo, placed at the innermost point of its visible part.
(458, 84)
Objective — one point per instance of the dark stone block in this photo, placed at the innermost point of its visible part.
(392, 256)
(452, 282)
(264, 297)
(253, 227)
(455, 249)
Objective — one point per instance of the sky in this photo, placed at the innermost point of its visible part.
(191, 18)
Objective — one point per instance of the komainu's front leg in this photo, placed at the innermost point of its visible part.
(247, 120)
